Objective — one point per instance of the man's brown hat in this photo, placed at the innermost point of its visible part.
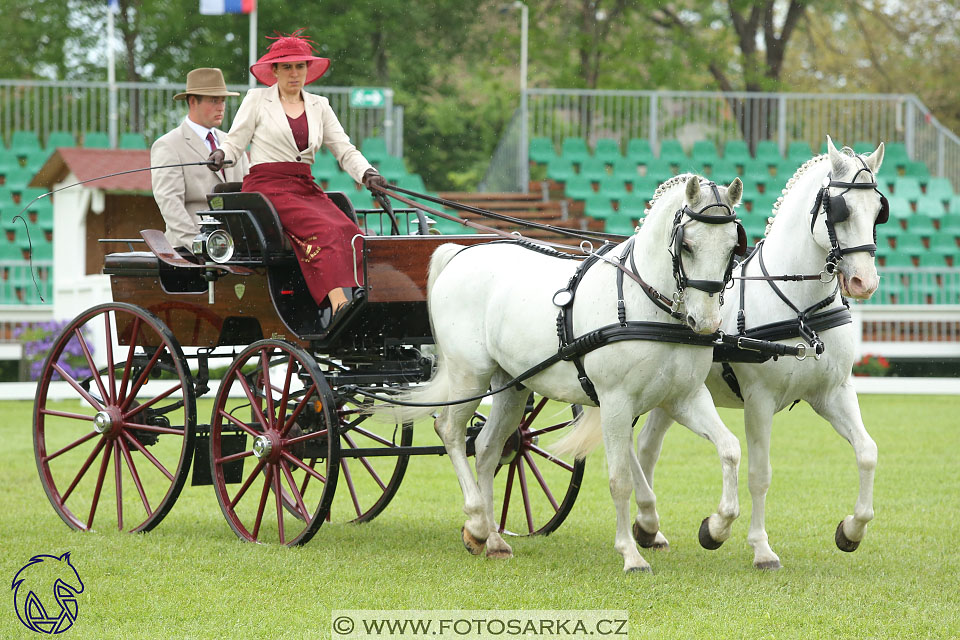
(205, 82)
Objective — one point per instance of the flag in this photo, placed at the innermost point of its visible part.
(219, 7)
(113, 6)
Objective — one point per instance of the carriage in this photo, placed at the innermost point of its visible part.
(219, 361)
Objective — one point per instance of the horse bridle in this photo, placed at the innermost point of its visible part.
(676, 245)
(835, 210)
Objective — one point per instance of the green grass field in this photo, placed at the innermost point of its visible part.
(191, 577)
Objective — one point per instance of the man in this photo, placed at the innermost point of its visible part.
(182, 191)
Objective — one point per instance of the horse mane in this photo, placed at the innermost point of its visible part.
(666, 186)
(806, 166)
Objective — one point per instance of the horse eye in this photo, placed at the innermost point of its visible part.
(686, 247)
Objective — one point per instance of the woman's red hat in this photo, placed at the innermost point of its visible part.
(289, 48)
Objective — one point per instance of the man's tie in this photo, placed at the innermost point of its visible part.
(213, 147)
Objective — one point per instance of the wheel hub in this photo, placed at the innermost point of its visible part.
(262, 447)
(106, 421)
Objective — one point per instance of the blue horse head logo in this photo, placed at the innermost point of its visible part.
(45, 593)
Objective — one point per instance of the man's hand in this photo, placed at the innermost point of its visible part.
(373, 179)
(216, 160)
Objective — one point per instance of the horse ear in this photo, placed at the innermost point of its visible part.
(693, 190)
(65, 557)
(875, 159)
(837, 160)
(735, 192)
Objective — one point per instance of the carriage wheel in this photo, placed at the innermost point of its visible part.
(371, 480)
(275, 475)
(538, 488)
(139, 410)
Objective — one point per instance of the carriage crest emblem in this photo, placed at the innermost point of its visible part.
(45, 593)
(239, 289)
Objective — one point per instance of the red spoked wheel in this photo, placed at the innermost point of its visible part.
(274, 473)
(370, 472)
(136, 414)
(538, 488)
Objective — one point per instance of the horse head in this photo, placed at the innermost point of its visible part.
(705, 238)
(853, 206)
(39, 584)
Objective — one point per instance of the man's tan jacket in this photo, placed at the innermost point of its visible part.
(181, 192)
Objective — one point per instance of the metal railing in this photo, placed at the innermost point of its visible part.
(689, 116)
(17, 283)
(149, 109)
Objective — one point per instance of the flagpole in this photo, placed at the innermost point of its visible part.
(253, 45)
(111, 79)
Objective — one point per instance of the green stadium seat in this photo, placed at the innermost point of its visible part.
(324, 166)
(391, 168)
(412, 181)
(627, 169)
(60, 139)
(639, 149)
(944, 245)
(342, 182)
(768, 152)
(907, 187)
(613, 188)
(645, 186)
(620, 225)
(374, 149)
(607, 150)
(785, 171)
(910, 244)
(954, 205)
(863, 146)
(17, 178)
(578, 188)
(22, 141)
(898, 259)
(931, 207)
(723, 172)
(633, 206)
(899, 207)
(6, 197)
(918, 170)
(660, 169)
(895, 155)
(737, 152)
(798, 152)
(919, 223)
(887, 235)
(96, 140)
(598, 207)
(949, 224)
(34, 160)
(541, 150)
(836, 143)
(672, 151)
(704, 152)
(560, 170)
(593, 169)
(574, 150)
(940, 188)
(132, 140)
(754, 226)
(762, 204)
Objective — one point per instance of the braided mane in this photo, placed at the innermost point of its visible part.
(666, 186)
(790, 183)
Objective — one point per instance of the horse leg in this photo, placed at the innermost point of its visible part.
(649, 442)
(697, 413)
(758, 423)
(617, 438)
(842, 409)
(451, 426)
(504, 417)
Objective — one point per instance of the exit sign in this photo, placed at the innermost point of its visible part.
(367, 98)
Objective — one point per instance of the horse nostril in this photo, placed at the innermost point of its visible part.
(856, 284)
(691, 321)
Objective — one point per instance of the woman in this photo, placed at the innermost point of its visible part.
(285, 127)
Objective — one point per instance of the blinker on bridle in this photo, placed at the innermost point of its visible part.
(708, 286)
(836, 211)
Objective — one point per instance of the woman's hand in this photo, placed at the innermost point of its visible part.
(216, 160)
(373, 179)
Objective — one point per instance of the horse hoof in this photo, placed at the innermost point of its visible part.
(643, 569)
(644, 539)
(769, 565)
(474, 546)
(843, 542)
(706, 540)
(499, 554)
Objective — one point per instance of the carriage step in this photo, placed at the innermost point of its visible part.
(232, 471)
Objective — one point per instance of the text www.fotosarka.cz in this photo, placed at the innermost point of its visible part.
(358, 624)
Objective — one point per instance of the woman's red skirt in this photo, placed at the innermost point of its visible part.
(318, 230)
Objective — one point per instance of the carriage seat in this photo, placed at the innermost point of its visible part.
(228, 187)
(131, 263)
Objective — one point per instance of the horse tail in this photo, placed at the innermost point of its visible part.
(437, 390)
(441, 257)
(586, 435)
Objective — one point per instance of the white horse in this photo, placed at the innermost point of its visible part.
(493, 312)
(790, 247)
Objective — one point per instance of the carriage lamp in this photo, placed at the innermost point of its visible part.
(216, 245)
